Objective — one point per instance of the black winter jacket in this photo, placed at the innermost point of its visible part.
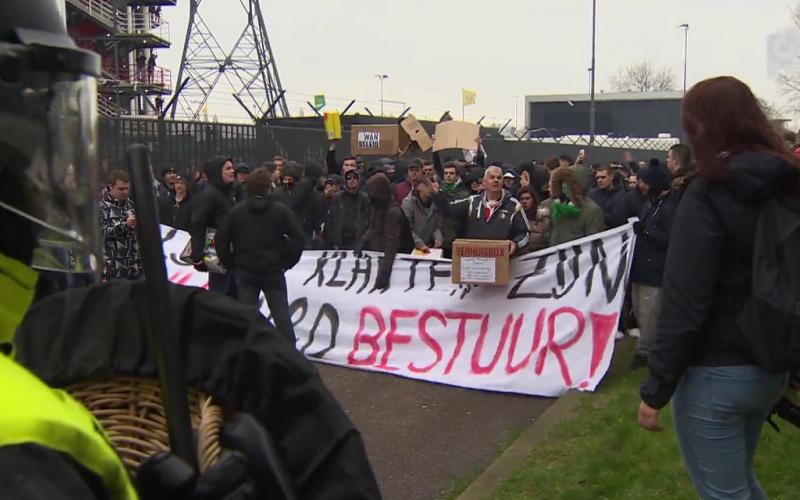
(229, 352)
(507, 222)
(260, 236)
(608, 199)
(177, 214)
(629, 206)
(389, 231)
(652, 240)
(210, 207)
(708, 268)
(347, 220)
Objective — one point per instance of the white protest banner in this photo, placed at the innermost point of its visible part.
(551, 329)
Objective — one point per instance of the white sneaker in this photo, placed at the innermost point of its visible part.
(635, 333)
(619, 335)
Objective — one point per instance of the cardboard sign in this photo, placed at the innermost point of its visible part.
(333, 125)
(417, 133)
(550, 329)
(377, 140)
(456, 135)
(480, 262)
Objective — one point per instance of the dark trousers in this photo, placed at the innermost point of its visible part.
(274, 287)
(223, 283)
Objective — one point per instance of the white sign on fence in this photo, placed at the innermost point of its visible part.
(551, 329)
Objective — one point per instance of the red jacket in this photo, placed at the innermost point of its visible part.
(401, 190)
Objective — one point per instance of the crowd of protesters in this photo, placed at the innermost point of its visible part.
(692, 257)
(396, 206)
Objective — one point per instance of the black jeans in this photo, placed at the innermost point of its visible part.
(223, 283)
(274, 287)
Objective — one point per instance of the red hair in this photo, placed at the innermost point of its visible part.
(722, 117)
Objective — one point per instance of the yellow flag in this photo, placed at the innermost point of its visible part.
(468, 97)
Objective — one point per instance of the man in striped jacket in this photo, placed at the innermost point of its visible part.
(493, 214)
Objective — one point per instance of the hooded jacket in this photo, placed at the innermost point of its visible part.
(708, 271)
(174, 213)
(229, 352)
(506, 222)
(389, 231)
(260, 236)
(425, 221)
(302, 197)
(210, 207)
(586, 217)
(347, 220)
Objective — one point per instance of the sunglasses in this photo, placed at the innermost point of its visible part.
(351, 176)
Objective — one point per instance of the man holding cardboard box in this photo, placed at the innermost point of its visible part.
(493, 214)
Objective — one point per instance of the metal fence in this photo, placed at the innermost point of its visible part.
(183, 143)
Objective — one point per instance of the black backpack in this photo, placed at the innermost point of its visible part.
(770, 319)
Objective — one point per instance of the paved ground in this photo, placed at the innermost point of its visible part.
(422, 437)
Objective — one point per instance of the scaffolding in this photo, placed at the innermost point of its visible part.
(127, 35)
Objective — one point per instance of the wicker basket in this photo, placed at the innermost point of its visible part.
(132, 415)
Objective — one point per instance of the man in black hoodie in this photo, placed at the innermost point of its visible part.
(260, 240)
(298, 191)
(349, 215)
(211, 206)
(389, 231)
(649, 256)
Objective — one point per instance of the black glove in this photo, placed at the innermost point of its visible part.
(200, 266)
(248, 469)
(638, 227)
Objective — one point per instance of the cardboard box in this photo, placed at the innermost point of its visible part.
(480, 262)
(377, 140)
(417, 133)
(456, 135)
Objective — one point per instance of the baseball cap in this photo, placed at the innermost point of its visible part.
(242, 167)
(509, 175)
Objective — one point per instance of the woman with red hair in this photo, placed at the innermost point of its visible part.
(720, 398)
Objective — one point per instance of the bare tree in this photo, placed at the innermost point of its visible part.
(644, 77)
(789, 81)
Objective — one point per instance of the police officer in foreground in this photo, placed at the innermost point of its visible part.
(50, 446)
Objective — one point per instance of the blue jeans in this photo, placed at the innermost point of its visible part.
(718, 414)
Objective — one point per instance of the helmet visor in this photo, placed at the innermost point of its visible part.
(48, 131)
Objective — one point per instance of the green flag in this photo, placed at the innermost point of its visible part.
(319, 101)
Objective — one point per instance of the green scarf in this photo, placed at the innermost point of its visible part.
(17, 284)
(449, 188)
(563, 210)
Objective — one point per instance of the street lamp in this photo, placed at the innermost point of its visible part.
(381, 78)
(593, 69)
(685, 28)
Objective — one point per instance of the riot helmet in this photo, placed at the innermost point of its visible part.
(48, 133)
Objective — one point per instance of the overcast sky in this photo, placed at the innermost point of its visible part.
(501, 49)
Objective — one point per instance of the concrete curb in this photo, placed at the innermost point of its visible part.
(513, 456)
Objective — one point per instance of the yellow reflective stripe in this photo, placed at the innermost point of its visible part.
(31, 412)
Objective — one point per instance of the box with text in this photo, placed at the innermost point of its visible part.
(480, 262)
(377, 140)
